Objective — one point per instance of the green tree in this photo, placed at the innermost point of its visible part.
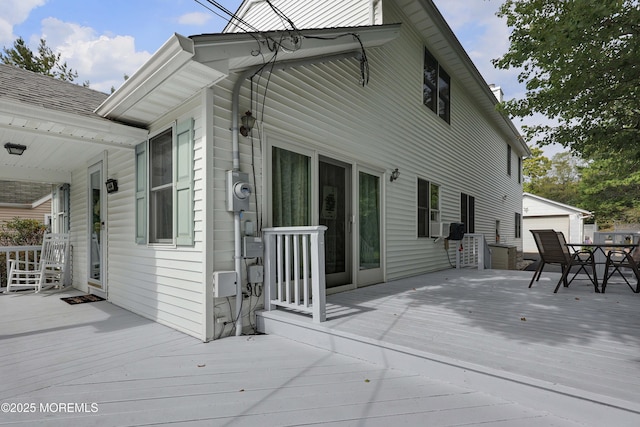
(557, 179)
(44, 62)
(579, 59)
(610, 187)
(535, 167)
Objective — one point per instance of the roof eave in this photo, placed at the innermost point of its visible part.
(455, 44)
(184, 66)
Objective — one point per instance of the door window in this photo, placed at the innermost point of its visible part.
(369, 220)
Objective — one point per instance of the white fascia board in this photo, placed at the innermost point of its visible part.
(29, 112)
(41, 201)
(236, 51)
(26, 205)
(454, 43)
(171, 57)
(12, 173)
(554, 203)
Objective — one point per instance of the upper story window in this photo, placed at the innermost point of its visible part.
(164, 187)
(508, 160)
(436, 88)
(519, 170)
(518, 225)
(468, 212)
(428, 207)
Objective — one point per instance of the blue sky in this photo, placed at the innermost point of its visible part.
(104, 40)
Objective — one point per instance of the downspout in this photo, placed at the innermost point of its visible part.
(235, 117)
(237, 252)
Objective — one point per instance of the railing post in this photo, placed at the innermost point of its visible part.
(269, 270)
(480, 249)
(318, 284)
(294, 257)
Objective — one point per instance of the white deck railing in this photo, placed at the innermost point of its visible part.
(471, 252)
(30, 254)
(294, 270)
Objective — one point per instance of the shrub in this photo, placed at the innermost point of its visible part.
(22, 232)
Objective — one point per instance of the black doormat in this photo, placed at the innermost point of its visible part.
(82, 299)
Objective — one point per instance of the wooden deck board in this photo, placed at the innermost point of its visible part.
(141, 373)
(576, 337)
(575, 341)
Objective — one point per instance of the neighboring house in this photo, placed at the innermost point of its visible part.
(25, 200)
(324, 151)
(540, 213)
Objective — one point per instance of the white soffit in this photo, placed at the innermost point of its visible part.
(183, 66)
(168, 79)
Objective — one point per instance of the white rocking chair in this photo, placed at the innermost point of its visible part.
(47, 271)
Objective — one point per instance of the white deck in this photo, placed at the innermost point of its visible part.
(138, 372)
(560, 352)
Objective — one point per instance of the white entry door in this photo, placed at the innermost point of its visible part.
(95, 230)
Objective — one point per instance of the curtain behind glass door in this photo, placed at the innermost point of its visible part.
(291, 182)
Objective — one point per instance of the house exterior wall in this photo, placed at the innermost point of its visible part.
(317, 108)
(307, 14)
(162, 283)
(383, 126)
(165, 283)
(7, 213)
(78, 227)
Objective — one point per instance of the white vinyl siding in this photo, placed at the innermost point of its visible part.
(321, 108)
(335, 13)
(164, 284)
(314, 106)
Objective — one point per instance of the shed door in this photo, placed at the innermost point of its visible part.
(558, 223)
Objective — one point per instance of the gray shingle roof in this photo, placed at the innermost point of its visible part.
(39, 90)
(22, 192)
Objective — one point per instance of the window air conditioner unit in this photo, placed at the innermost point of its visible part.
(440, 229)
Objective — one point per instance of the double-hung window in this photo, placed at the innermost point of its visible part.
(428, 207)
(436, 88)
(468, 212)
(518, 225)
(164, 187)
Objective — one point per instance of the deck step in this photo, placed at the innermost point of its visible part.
(578, 405)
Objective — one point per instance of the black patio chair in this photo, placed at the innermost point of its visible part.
(621, 259)
(553, 249)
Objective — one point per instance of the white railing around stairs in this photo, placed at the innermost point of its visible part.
(471, 252)
(294, 270)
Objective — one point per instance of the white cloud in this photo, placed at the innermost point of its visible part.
(194, 18)
(15, 12)
(102, 60)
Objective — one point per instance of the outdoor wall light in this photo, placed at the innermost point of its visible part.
(112, 185)
(394, 175)
(247, 123)
(16, 149)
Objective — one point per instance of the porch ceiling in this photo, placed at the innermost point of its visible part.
(57, 142)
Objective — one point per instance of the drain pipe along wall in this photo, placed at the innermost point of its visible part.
(235, 118)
